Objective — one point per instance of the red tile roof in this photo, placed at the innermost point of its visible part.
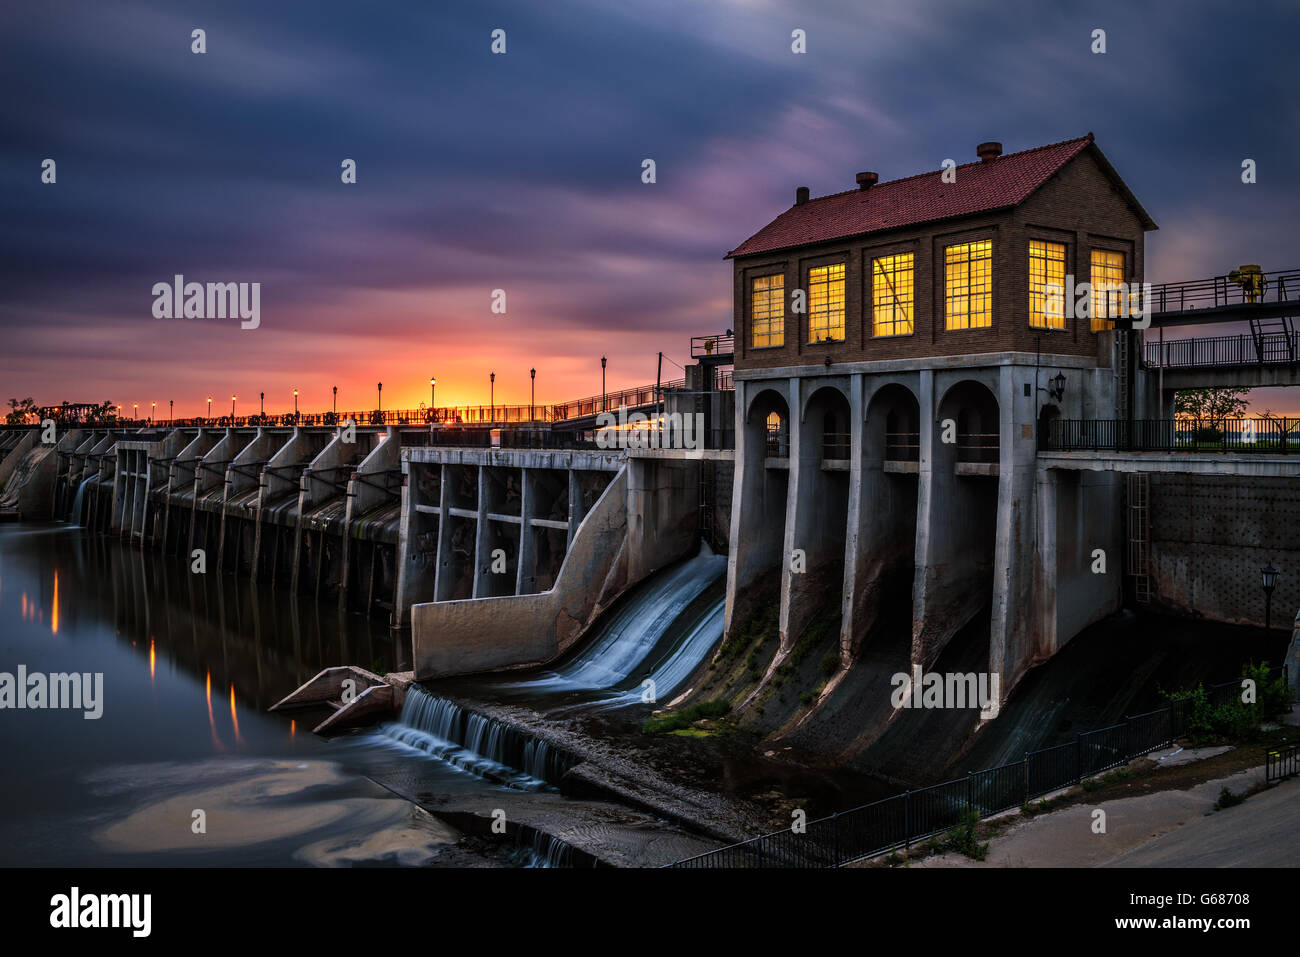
(980, 187)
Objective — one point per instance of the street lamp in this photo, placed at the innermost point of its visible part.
(532, 399)
(135, 411)
(336, 402)
(232, 410)
(261, 405)
(492, 396)
(380, 387)
(1269, 575)
(295, 405)
(432, 382)
(209, 407)
(171, 411)
(153, 406)
(602, 383)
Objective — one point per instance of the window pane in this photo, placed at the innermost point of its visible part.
(891, 295)
(767, 311)
(826, 303)
(1107, 276)
(968, 272)
(1046, 268)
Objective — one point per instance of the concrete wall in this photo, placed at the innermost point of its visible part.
(1211, 535)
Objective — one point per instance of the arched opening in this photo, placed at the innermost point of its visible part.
(759, 497)
(972, 408)
(777, 442)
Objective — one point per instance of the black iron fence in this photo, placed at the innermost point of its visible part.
(924, 812)
(1281, 763)
(1269, 348)
(1227, 290)
(1277, 435)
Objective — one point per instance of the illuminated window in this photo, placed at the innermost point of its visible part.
(767, 311)
(891, 295)
(1046, 268)
(968, 275)
(826, 303)
(1107, 277)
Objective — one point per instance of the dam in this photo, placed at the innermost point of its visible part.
(915, 463)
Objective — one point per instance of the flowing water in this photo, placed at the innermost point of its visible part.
(185, 765)
(189, 665)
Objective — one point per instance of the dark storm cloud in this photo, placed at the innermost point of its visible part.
(522, 171)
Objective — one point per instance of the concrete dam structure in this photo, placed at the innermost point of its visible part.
(919, 442)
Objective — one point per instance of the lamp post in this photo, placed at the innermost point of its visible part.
(336, 403)
(135, 411)
(602, 384)
(171, 411)
(532, 397)
(432, 382)
(295, 405)
(209, 407)
(1269, 575)
(232, 410)
(492, 396)
(153, 406)
(380, 388)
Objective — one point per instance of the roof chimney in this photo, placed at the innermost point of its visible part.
(867, 180)
(988, 152)
(800, 195)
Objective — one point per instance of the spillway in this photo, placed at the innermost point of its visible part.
(662, 632)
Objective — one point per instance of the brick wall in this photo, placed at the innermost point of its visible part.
(1079, 207)
(1211, 536)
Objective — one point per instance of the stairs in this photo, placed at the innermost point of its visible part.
(1275, 339)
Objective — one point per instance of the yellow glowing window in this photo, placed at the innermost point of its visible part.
(891, 295)
(767, 311)
(1046, 268)
(826, 303)
(968, 275)
(1107, 279)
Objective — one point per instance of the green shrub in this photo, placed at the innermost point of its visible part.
(963, 838)
(1228, 799)
(684, 719)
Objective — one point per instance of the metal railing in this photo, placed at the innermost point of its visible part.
(902, 446)
(977, 447)
(836, 445)
(1277, 435)
(1281, 763)
(723, 344)
(1280, 286)
(1270, 348)
(917, 814)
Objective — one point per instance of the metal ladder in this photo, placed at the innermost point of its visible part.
(1139, 535)
(1265, 332)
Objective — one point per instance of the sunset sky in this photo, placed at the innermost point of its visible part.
(523, 172)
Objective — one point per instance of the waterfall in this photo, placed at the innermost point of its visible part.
(629, 636)
(544, 851)
(475, 743)
(75, 515)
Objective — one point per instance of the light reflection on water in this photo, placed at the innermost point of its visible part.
(122, 789)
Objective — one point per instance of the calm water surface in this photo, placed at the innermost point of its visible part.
(190, 664)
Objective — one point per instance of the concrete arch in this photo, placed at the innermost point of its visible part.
(893, 424)
(765, 400)
(973, 408)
